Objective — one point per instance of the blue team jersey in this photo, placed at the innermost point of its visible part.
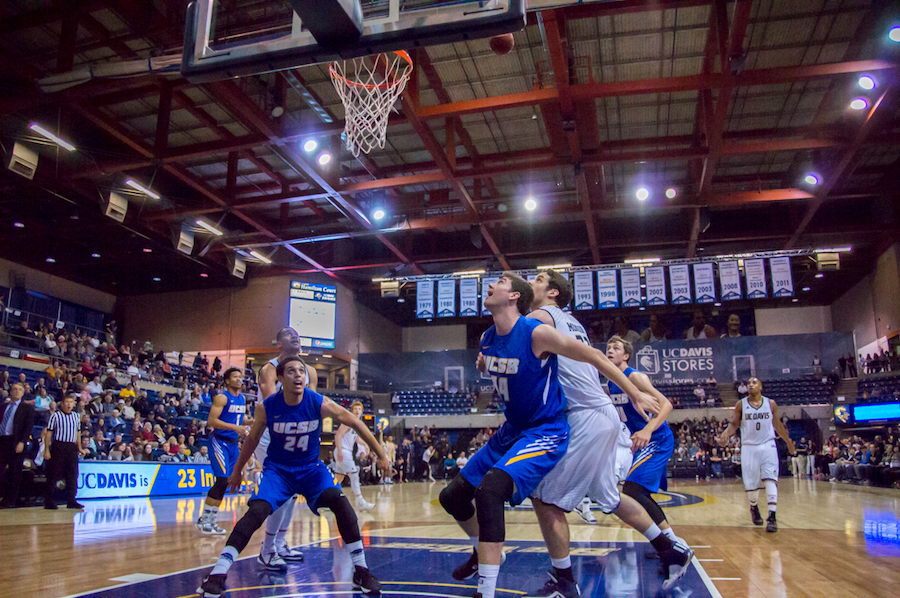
(528, 385)
(633, 420)
(232, 413)
(294, 431)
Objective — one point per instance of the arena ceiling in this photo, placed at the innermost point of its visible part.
(731, 103)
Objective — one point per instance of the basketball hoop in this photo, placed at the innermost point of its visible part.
(369, 87)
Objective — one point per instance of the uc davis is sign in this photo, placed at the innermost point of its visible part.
(108, 479)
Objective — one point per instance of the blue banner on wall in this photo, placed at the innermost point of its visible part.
(680, 281)
(631, 287)
(105, 479)
(730, 279)
(485, 283)
(656, 285)
(468, 297)
(755, 271)
(704, 283)
(608, 288)
(425, 299)
(782, 280)
(446, 299)
(584, 290)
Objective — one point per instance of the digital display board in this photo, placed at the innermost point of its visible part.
(312, 313)
(871, 413)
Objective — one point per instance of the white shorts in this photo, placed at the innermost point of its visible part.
(347, 466)
(759, 462)
(588, 467)
(262, 449)
(624, 454)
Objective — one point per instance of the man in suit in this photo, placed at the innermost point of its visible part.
(16, 423)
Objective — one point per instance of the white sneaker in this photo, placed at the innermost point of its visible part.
(363, 505)
(290, 555)
(211, 527)
(584, 509)
(271, 561)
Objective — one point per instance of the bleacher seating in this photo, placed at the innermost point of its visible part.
(416, 402)
(346, 399)
(877, 389)
(799, 391)
(684, 393)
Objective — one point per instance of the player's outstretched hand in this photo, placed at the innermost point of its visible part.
(235, 481)
(721, 440)
(640, 439)
(648, 403)
(792, 448)
(242, 432)
(481, 363)
(383, 463)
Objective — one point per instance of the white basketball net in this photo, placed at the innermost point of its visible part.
(369, 88)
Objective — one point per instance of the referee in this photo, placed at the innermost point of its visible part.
(62, 432)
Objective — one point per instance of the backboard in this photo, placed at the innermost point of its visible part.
(225, 40)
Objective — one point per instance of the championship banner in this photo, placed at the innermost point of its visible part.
(704, 284)
(608, 288)
(631, 287)
(755, 271)
(109, 479)
(656, 285)
(446, 299)
(680, 283)
(485, 283)
(730, 279)
(425, 299)
(782, 280)
(468, 297)
(584, 290)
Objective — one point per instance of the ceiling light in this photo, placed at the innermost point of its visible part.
(812, 179)
(844, 249)
(378, 214)
(894, 34)
(401, 300)
(859, 104)
(806, 289)
(671, 193)
(717, 304)
(794, 300)
(468, 273)
(147, 250)
(642, 194)
(137, 186)
(260, 257)
(530, 204)
(18, 225)
(95, 255)
(209, 227)
(555, 267)
(324, 158)
(866, 82)
(156, 279)
(501, 207)
(326, 356)
(642, 308)
(310, 145)
(45, 133)
(50, 260)
(820, 275)
(641, 260)
(204, 275)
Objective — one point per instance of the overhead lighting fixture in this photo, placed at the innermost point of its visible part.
(820, 275)
(95, 255)
(717, 304)
(894, 34)
(401, 300)
(326, 356)
(204, 275)
(147, 250)
(671, 193)
(642, 260)
(530, 204)
(378, 214)
(805, 289)
(138, 187)
(468, 273)
(866, 82)
(642, 308)
(324, 158)
(310, 145)
(812, 179)
(501, 207)
(156, 279)
(260, 257)
(642, 194)
(18, 225)
(45, 133)
(50, 260)
(209, 227)
(794, 300)
(859, 104)
(555, 267)
(846, 249)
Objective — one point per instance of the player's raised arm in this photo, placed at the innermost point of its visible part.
(267, 381)
(214, 420)
(338, 413)
(247, 447)
(780, 429)
(734, 425)
(642, 382)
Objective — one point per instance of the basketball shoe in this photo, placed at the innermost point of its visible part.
(584, 509)
(771, 524)
(365, 582)
(271, 561)
(363, 505)
(557, 587)
(213, 586)
(291, 555)
(755, 516)
(469, 569)
(675, 562)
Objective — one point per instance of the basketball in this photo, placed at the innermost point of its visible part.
(503, 44)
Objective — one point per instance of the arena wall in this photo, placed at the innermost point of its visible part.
(793, 320)
(60, 288)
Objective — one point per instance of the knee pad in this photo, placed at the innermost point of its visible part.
(344, 515)
(457, 498)
(643, 497)
(495, 489)
(217, 492)
(252, 520)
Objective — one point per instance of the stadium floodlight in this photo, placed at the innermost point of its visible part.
(47, 134)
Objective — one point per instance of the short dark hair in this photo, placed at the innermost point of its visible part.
(230, 370)
(521, 286)
(279, 371)
(627, 346)
(282, 331)
(559, 282)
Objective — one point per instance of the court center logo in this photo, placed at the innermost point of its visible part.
(647, 361)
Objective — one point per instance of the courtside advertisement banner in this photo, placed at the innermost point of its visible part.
(730, 279)
(608, 288)
(704, 283)
(584, 290)
(109, 479)
(782, 280)
(656, 285)
(446, 299)
(680, 282)
(631, 287)
(425, 299)
(468, 297)
(755, 272)
(485, 283)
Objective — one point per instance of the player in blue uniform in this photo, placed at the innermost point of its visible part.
(293, 416)
(226, 417)
(653, 442)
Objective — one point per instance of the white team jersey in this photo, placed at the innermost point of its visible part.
(348, 441)
(757, 425)
(580, 381)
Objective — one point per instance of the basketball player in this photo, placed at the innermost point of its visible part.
(345, 441)
(589, 465)
(757, 418)
(293, 416)
(225, 418)
(275, 553)
(520, 354)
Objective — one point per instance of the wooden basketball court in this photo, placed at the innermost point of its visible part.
(834, 540)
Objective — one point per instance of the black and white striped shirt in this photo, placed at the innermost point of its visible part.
(64, 427)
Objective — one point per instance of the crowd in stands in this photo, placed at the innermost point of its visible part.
(697, 450)
(874, 390)
(853, 460)
(876, 363)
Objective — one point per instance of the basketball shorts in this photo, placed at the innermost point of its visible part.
(526, 455)
(280, 483)
(589, 466)
(347, 466)
(648, 467)
(758, 462)
(224, 456)
(624, 456)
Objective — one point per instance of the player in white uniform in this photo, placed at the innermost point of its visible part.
(589, 465)
(275, 552)
(757, 418)
(345, 443)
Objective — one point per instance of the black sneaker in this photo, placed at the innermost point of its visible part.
(557, 588)
(50, 506)
(755, 516)
(771, 524)
(467, 570)
(213, 586)
(365, 582)
(75, 505)
(676, 561)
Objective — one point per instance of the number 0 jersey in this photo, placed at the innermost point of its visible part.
(633, 420)
(529, 385)
(294, 431)
(757, 425)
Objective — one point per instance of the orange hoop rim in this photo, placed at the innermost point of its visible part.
(401, 53)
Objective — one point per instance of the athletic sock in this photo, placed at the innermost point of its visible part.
(226, 560)
(563, 568)
(268, 545)
(659, 540)
(753, 496)
(474, 541)
(357, 555)
(285, 523)
(487, 580)
(670, 534)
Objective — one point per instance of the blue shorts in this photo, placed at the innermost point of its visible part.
(526, 455)
(649, 465)
(224, 456)
(280, 483)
